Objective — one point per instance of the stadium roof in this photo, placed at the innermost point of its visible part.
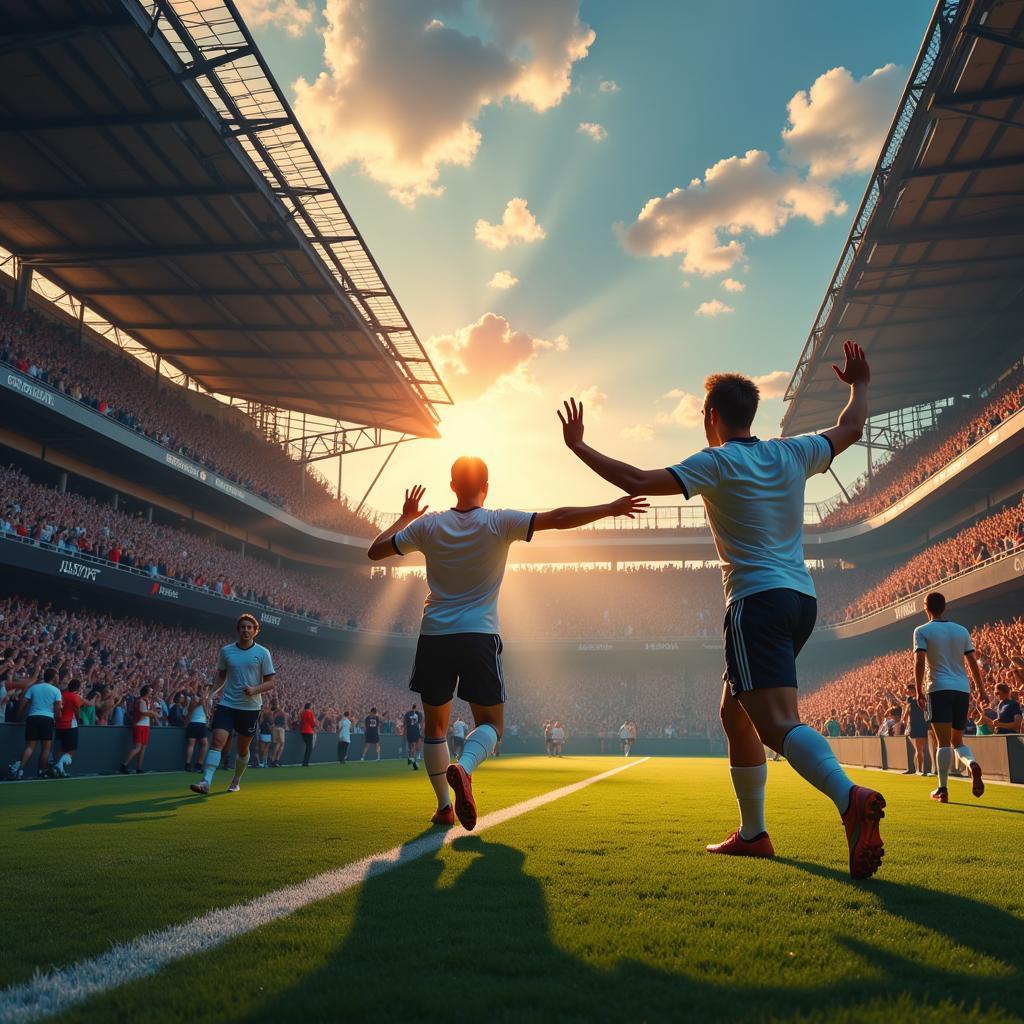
(153, 168)
(931, 280)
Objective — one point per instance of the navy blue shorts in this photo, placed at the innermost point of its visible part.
(764, 633)
(948, 707)
(469, 661)
(235, 720)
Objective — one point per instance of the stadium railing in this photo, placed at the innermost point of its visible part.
(1002, 756)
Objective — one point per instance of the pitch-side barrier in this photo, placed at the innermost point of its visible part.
(1001, 757)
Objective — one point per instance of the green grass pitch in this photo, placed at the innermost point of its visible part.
(599, 906)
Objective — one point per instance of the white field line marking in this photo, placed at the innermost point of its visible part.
(64, 987)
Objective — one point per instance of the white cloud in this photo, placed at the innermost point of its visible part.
(773, 385)
(687, 410)
(714, 307)
(518, 224)
(835, 128)
(637, 432)
(488, 353)
(594, 399)
(596, 131)
(609, 85)
(838, 126)
(730, 284)
(402, 91)
(737, 194)
(294, 16)
(503, 280)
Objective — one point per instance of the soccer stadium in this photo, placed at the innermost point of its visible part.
(291, 731)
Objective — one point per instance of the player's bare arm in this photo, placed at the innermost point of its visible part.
(269, 682)
(920, 660)
(567, 518)
(856, 373)
(382, 547)
(620, 474)
(975, 671)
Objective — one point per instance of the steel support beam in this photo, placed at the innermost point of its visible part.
(90, 195)
(958, 99)
(1003, 38)
(53, 124)
(203, 67)
(241, 328)
(99, 257)
(991, 164)
(951, 232)
(219, 293)
(243, 353)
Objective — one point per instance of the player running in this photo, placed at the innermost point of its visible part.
(753, 491)
(466, 549)
(940, 649)
(245, 671)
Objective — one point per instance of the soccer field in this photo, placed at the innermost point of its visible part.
(599, 904)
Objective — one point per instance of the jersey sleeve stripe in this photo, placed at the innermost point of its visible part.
(831, 448)
(398, 550)
(679, 480)
(530, 528)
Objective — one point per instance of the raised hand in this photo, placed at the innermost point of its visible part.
(572, 423)
(856, 370)
(630, 507)
(411, 509)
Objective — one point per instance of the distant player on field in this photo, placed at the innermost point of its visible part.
(411, 722)
(466, 549)
(245, 671)
(941, 648)
(459, 730)
(753, 491)
(371, 727)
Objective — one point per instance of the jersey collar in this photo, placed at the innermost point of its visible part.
(743, 440)
(464, 510)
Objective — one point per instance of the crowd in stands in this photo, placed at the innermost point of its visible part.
(115, 657)
(120, 388)
(860, 698)
(955, 430)
(848, 594)
(81, 525)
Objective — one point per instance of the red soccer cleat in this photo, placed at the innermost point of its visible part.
(978, 783)
(940, 796)
(861, 822)
(737, 846)
(462, 785)
(443, 816)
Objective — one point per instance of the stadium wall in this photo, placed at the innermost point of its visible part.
(102, 748)
(1001, 756)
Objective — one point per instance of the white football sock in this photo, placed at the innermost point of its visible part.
(749, 785)
(812, 757)
(943, 762)
(479, 743)
(210, 765)
(965, 755)
(437, 759)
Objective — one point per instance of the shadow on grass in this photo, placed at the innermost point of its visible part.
(986, 807)
(427, 943)
(147, 809)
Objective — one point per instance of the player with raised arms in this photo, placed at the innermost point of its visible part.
(753, 491)
(941, 648)
(466, 548)
(245, 671)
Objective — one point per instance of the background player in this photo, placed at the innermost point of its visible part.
(466, 549)
(371, 726)
(941, 648)
(411, 724)
(753, 492)
(197, 732)
(42, 703)
(916, 730)
(143, 714)
(245, 671)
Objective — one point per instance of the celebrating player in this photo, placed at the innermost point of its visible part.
(753, 491)
(245, 671)
(940, 649)
(466, 549)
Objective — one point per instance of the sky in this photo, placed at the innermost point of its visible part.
(594, 199)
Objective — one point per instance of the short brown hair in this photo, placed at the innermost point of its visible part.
(935, 603)
(246, 617)
(469, 475)
(734, 397)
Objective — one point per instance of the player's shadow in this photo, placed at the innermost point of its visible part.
(149, 809)
(986, 807)
(439, 939)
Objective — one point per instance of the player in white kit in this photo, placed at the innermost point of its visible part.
(941, 648)
(466, 548)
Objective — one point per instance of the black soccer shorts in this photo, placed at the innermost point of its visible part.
(468, 662)
(948, 707)
(235, 720)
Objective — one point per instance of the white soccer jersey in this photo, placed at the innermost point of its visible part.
(466, 554)
(459, 730)
(945, 644)
(753, 491)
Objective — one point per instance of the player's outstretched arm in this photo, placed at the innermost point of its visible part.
(382, 547)
(568, 518)
(621, 474)
(856, 373)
